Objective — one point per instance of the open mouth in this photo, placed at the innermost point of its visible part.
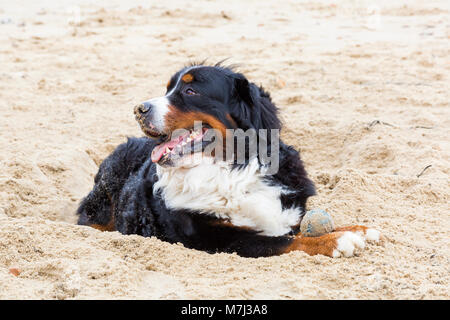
(151, 133)
(180, 143)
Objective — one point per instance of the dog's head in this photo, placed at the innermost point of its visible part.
(201, 100)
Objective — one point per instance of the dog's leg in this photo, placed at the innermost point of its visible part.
(345, 241)
(98, 207)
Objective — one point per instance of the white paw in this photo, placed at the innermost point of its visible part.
(372, 235)
(348, 243)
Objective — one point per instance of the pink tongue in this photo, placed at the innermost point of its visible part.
(159, 150)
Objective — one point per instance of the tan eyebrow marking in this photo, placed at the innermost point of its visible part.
(168, 84)
(187, 78)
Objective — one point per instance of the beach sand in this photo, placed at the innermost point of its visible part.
(363, 91)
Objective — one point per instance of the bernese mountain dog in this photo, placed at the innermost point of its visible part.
(166, 185)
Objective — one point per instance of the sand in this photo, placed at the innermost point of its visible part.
(364, 94)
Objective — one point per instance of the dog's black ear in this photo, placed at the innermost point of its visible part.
(255, 105)
(242, 88)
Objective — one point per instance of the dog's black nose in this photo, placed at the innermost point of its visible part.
(142, 108)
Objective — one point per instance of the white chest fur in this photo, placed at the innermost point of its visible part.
(241, 196)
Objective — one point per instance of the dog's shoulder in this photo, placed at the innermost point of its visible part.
(293, 178)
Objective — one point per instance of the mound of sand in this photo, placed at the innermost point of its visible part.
(364, 94)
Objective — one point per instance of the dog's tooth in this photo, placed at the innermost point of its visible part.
(189, 139)
(167, 150)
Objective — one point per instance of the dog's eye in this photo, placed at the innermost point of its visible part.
(190, 91)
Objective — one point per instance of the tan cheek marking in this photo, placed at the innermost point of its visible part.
(176, 119)
(168, 84)
(187, 78)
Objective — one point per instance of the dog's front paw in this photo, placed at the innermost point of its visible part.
(372, 235)
(354, 237)
(343, 242)
(369, 234)
(348, 244)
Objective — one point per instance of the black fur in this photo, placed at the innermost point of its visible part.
(123, 191)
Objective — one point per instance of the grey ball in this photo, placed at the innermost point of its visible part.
(316, 223)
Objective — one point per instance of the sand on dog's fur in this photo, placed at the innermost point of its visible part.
(363, 92)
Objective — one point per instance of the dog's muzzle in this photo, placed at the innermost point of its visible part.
(150, 116)
(142, 109)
